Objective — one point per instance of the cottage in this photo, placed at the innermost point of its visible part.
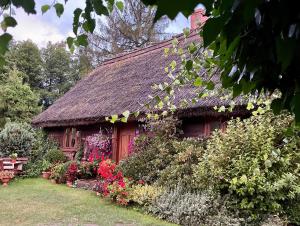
(118, 84)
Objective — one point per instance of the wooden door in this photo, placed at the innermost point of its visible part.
(126, 135)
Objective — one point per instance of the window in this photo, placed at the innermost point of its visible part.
(71, 138)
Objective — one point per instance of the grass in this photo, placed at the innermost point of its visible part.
(38, 202)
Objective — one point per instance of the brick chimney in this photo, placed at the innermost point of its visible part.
(198, 18)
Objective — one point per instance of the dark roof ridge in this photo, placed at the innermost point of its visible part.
(142, 50)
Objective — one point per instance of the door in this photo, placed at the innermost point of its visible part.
(126, 135)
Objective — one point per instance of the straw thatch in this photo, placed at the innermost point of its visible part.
(119, 84)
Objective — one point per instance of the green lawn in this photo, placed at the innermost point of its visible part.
(38, 202)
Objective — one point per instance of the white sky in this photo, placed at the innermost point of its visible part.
(48, 27)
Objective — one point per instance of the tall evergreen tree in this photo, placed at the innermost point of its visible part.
(17, 101)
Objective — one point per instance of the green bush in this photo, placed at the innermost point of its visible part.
(144, 195)
(55, 156)
(36, 163)
(293, 211)
(152, 152)
(16, 138)
(58, 171)
(256, 162)
(181, 167)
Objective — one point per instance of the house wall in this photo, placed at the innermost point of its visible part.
(123, 134)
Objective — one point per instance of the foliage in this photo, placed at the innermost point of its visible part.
(58, 172)
(37, 164)
(191, 208)
(293, 210)
(46, 166)
(59, 73)
(25, 57)
(33, 169)
(113, 184)
(132, 28)
(55, 156)
(16, 138)
(72, 171)
(152, 153)
(144, 195)
(87, 170)
(265, 58)
(180, 169)
(17, 101)
(256, 162)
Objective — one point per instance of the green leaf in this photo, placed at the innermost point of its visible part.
(126, 113)
(198, 82)
(4, 42)
(124, 119)
(277, 106)
(114, 118)
(136, 114)
(212, 29)
(89, 25)
(27, 5)
(100, 9)
(45, 8)
(70, 42)
(77, 13)
(59, 8)
(82, 40)
(10, 21)
(189, 65)
(120, 5)
(210, 85)
(285, 51)
(296, 107)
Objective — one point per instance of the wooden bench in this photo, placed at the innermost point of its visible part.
(1, 165)
(17, 166)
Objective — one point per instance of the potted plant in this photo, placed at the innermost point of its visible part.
(46, 166)
(58, 173)
(6, 176)
(13, 157)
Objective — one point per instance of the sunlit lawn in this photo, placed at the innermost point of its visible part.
(38, 202)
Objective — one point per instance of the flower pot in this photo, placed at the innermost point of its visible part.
(46, 175)
(5, 181)
(14, 160)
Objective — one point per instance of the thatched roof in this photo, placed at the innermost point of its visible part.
(119, 84)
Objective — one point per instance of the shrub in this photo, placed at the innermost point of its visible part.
(58, 172)
(152, 152)
(144, 195)
(293, 211)
(190, 208)
(36, 163)
(180, 169)
(55, 156)
(255, 162)
(87, 170)
(113, 184)
(16, 138)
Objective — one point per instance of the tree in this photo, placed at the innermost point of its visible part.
(17, 101)
(59, 76)
(133, 27)
(26, 58)
(255, 43)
